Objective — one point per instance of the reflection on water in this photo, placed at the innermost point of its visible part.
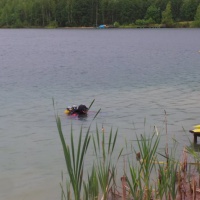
(134, 75)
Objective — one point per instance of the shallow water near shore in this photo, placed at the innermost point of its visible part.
(134, 75)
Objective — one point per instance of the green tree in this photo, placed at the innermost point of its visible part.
(82, 13)
(8, 15)
(106, 8)
(70, 12)
(161, 4)
(153, 13)
(129, 11)
(25, 13)
(197, 17)
(176, 7)
(188, 9)
(61, 12)
(167, 16)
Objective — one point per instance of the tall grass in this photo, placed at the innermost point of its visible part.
(139, 181)
(74, 160)
(167, 183)
(105, 167)
(91, 188)
(146, 177)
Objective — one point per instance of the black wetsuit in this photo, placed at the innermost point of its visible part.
(82, 110)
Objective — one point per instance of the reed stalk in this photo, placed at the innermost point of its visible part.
(138, 183)
(168, 175)
(106, 169)
(91, 188)
(74, 160)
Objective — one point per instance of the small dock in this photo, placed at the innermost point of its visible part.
(195, 132)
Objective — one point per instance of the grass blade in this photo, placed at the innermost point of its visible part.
(97, 113)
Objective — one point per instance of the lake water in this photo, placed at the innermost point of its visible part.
(134, 75)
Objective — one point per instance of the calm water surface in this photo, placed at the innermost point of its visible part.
(134, 75)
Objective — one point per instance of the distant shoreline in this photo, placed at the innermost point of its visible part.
(185, 24)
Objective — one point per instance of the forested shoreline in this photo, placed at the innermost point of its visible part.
(92, 13)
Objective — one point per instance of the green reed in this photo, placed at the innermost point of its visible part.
(103, 171)
(74, 160)
(168, 176)
(91, 188)
(102, 178)
(105, 168)
(147, 178)
(139, 181)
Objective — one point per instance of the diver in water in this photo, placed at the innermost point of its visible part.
(74, 109)
(81, 110)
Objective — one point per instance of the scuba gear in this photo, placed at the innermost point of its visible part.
(74, 110)
(68, 110)
(74, 107)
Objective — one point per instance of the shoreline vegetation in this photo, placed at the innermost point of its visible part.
(150, 172)
(94, 13)
(184, 24)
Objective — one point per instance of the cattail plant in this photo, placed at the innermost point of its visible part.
(105, 168)
(146, 178)
(91, 188)
(139, 181)
(74, 160)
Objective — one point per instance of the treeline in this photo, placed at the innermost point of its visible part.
(61, 13)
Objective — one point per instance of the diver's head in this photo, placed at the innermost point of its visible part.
(82, 109)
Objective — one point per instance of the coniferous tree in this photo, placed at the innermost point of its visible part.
(176, 7)
(42, 13)
(188, 9)
(153, 13)
(197, 17)
(167, 16)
